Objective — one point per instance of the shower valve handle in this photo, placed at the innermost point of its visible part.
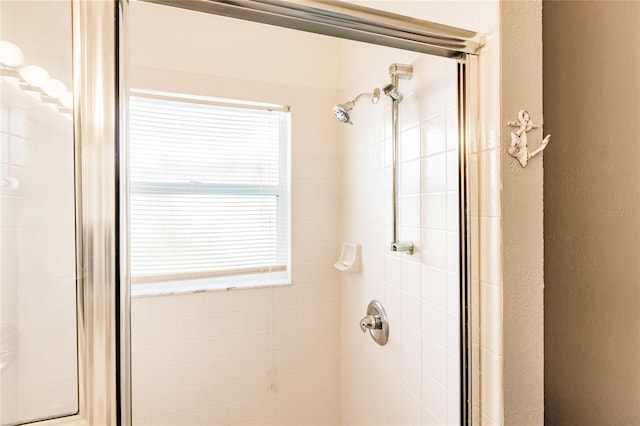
(370, 322)
(376, 323)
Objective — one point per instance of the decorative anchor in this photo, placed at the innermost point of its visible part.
(519, 148)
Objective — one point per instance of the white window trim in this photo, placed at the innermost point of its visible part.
(210, 284)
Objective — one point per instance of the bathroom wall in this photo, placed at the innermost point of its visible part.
(522, 216)
(37, 227)
(315, 230)
(415, 378)
(592, 211)
(411, 399)
(265, 356)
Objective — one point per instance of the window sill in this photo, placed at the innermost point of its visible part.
(205, 285)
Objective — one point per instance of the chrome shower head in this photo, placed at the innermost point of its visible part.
(342, 111)
(392, 91)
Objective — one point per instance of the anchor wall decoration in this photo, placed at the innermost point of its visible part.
(519, 148)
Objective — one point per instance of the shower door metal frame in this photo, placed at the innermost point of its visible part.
(100, 84)
(102, 284)
(468, 268)
(100, 57)
(349, 21)
(100, 101)
(359, 23)
(345, 20)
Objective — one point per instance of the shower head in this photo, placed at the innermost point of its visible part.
(392, 91)
(342, 111)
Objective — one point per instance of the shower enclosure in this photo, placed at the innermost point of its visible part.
(257, 338)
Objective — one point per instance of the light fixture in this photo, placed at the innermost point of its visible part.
(67, 100)
(10, 54)
(34, 75)
(34, 80)
(54, 88)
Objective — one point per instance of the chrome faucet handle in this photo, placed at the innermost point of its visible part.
(370, 322)
(376, 322)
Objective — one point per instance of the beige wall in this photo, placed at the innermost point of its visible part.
(522, 216)
(592, 212)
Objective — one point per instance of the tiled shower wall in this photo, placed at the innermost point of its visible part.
(415, 378)
(404, 383)
(255, 356)
(237, 357)
(265, 356)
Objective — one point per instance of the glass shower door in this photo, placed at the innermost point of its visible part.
(38, 316)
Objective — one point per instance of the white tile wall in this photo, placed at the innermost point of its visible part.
(208, 362)
(37, 255)
(487, 276)
(414, 379)
(265, 356)
(235, 357)
(395, 399)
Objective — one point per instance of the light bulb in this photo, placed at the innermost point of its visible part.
(10, 54)
(67, 100)
(54, 88)
(34, 75)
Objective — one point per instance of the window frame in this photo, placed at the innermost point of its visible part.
(244, 277)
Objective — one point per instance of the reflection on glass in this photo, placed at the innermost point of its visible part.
(38, 350)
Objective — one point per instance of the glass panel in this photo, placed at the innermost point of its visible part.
(296, 354)
(38, 349)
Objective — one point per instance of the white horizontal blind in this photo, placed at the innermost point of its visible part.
(209, 190)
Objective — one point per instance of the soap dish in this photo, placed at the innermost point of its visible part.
(349, 258)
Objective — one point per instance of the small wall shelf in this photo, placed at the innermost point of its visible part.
(349, 260)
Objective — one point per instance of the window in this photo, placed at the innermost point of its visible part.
(209, 189)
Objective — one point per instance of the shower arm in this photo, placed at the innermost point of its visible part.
(375, 97)
(405, 72)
